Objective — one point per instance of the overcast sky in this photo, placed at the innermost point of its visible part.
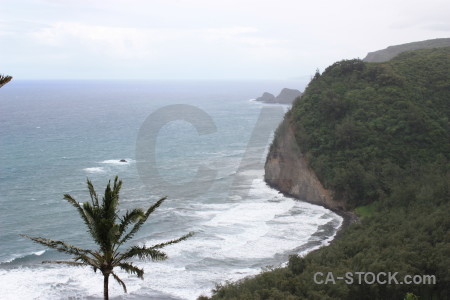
(204, 39)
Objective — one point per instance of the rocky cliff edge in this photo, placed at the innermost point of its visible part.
(287, 170)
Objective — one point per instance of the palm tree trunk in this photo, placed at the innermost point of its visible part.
(105, 286)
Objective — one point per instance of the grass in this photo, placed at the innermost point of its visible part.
(365, 211)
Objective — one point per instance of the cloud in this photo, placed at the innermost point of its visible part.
(244, 36)
(152, 43)
(201, 38)
(116, 42)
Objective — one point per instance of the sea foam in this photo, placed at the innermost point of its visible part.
(95, 170)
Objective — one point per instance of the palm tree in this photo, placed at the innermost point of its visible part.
(100, 219)
(4, 79)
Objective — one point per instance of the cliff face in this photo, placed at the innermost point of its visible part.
(358, 134)
(287, 170)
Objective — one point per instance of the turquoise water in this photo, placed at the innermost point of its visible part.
(55, 134)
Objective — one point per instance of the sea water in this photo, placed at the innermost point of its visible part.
(55, 134)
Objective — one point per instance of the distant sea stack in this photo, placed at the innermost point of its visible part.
(392, 51)
(266, 98)
(286, 96)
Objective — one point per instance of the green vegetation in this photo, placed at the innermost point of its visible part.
(365, 210)
(4, 79)
(362, 124)
(378, 136)
(100, 219)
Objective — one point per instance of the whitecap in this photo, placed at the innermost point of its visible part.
(17, 257)
(39, 253)
(117, 161)
(94, 170)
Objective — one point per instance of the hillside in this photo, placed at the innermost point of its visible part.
(377, 138)
(392, 51)
(358, 123)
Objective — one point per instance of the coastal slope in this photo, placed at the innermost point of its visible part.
(372, 138)
(392, 51)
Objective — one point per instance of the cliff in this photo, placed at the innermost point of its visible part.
(357, 124)
(392, 51)
(266, 98)
(286, 96)
(378, 136)
(287, 170)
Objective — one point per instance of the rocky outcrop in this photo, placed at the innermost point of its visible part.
(392, 51)
(287, 170)
(266, 98)
(286, 96)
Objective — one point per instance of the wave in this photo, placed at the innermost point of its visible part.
(19, 259)
(233, 240)
(109, 163)
(120, 162)
(95, 170)
(39, 253)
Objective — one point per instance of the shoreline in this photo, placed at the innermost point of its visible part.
(348, 217)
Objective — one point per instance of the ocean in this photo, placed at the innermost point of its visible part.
(206, 155)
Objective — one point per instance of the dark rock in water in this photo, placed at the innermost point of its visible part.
(287, 96)
(266, 98)
(123, 160)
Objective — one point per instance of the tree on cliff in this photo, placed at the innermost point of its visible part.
(4, 79)
(100, 219)
(379, 134)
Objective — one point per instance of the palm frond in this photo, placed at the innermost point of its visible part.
(138, 225)
(96, 261)
(80, 210)
(111, 199)
(112, 234)
(63, 247)
(93, 218)
(107, 197)
(128, 218)
(4, 79)
(66, 262)
(162, 245)
(119, 281)
(117, 185)
(131, 269)
(58, 245)
(142, 253)
(92, 193)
